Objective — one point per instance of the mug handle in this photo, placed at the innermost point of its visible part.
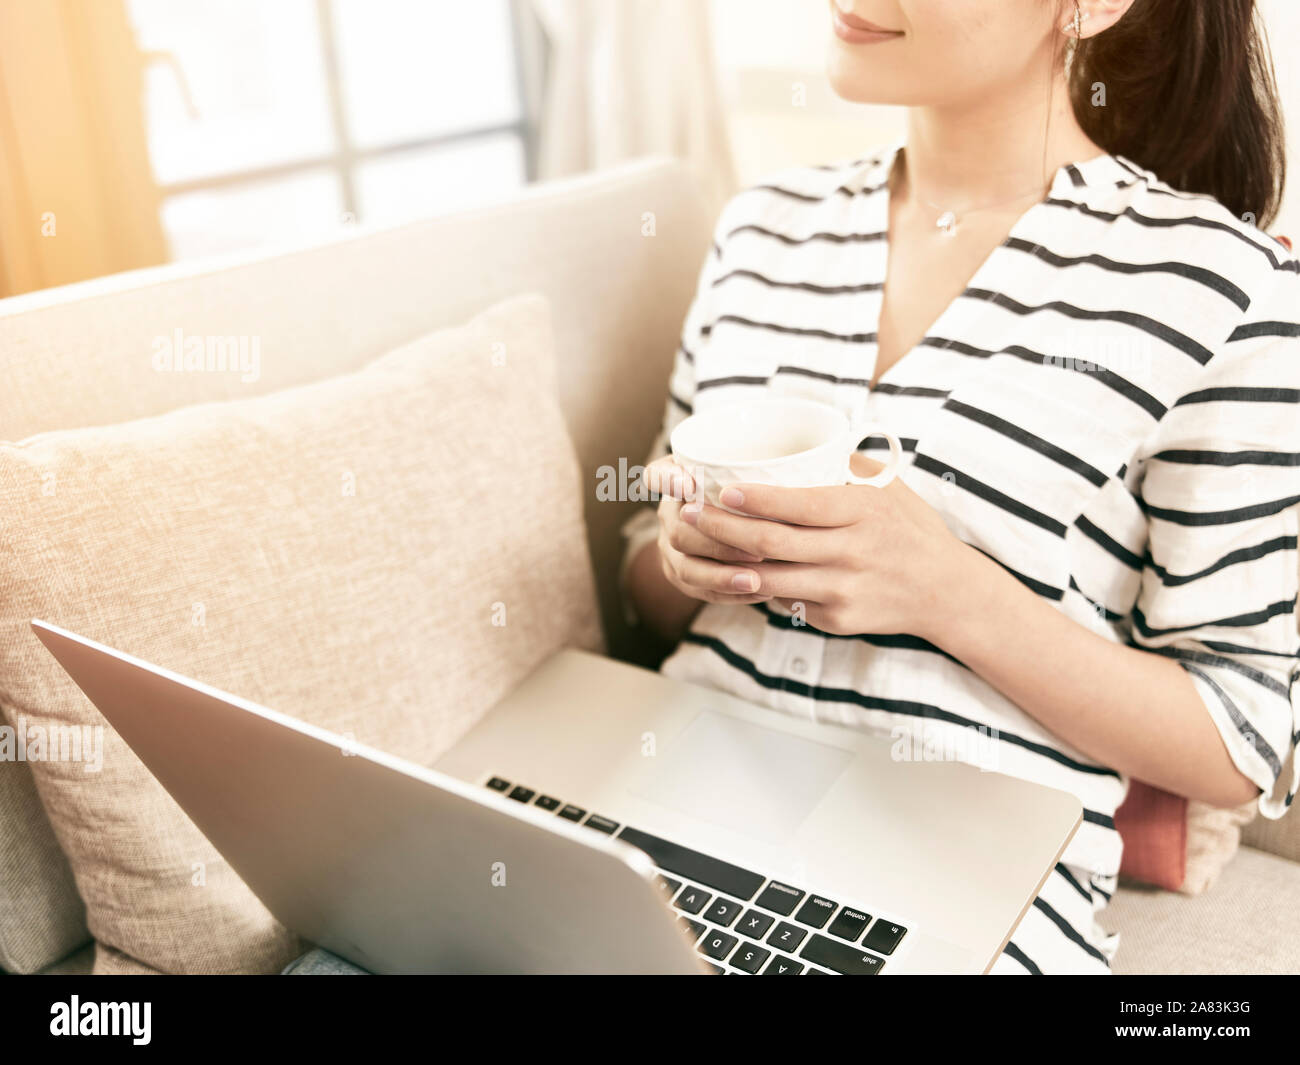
(878, 480)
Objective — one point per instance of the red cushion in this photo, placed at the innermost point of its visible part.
(1153, 825)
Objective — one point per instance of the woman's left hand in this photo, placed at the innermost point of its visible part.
(859, 559)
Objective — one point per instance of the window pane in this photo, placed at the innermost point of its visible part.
(256, 78)
(287, 210)
(436, 180)
(417, 68)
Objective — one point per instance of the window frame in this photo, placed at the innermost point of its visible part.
(527, 43)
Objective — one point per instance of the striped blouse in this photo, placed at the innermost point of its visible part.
(1110, 410)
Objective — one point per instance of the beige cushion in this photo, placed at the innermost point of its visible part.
(109, 962)
(41, 915)
(98, 960)
(80, 962)
(1246, 922)
(344, 551)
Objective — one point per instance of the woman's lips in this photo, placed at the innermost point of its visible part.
(853, 30)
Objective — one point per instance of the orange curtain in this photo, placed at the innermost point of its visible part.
(77, 197)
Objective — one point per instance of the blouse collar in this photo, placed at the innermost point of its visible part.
(1101, 173)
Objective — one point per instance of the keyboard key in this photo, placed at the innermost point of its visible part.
(779, 898)
(849, 924)
(719, 875)
(717, 945)
(692, 899)
(783, 966)
(717, 970)
(884, 937)
(601, 824)
(755, 924)
(723, 911)
(667, 885)
(787, 936)
(816, 972)
(750, 957)
(693, 928)
(573, 813)
(547, 803)
(841, 957)
(816, 911)
(497, 784)
(522, 794)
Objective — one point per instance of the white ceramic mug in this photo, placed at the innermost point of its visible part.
(781, 440)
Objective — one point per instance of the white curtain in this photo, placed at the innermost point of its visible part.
(628, 78)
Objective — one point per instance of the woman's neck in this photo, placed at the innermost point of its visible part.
(993, 149)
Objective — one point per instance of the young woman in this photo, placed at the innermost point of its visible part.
(1057, 295)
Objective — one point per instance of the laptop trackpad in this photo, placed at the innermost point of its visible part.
(740, 775)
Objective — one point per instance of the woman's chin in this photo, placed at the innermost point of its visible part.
(858, 82)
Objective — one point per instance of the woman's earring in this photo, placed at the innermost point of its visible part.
(1076, 24)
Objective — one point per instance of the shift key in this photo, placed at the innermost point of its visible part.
(842, 957)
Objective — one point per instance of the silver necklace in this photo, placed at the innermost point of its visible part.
(949, 219)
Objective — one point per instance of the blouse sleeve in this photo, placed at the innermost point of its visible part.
(1221, 492)
(643, 526)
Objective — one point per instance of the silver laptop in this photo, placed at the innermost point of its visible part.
(600, 819)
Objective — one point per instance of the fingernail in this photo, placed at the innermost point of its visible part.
(732, 497)
(691, 513)
(745, 582)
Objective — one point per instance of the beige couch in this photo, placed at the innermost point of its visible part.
(70, 357)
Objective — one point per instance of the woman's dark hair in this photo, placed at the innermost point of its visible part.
(1190, 95)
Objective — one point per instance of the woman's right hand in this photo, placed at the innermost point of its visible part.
(693, 563)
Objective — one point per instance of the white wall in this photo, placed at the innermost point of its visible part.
(768, 49)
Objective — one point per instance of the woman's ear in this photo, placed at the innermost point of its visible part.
(1094, 16)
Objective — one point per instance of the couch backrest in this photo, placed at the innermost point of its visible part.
(617, 253)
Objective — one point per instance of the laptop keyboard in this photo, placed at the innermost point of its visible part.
(741, 922)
